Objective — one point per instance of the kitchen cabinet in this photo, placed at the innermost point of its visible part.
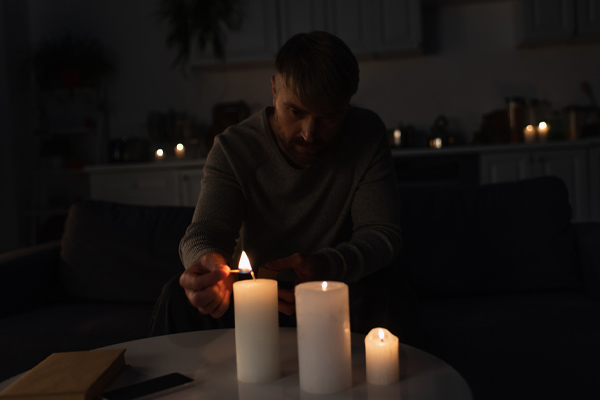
(548, 19)
(594, 168)
(577, 163)
(559, 20)
(367, 27)
(588, 17)
(189, 180)
(148, 184)
(568, 164)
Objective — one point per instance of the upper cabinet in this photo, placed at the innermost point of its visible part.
(559, 20)
(588, 17)
(547, 19)
(370, 28)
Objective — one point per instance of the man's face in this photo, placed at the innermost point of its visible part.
(302, 134)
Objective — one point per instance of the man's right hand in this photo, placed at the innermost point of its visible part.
(208, 284)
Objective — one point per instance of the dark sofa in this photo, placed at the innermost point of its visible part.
(96, 286)
(509, 288)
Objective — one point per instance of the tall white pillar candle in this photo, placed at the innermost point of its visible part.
(381, 351)
(256, 330)
(324, 349)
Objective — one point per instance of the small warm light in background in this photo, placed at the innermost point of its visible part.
(180, 151)
(542, 130)
(529, 133)
(435, 143)
(397, 137)
(159, 154)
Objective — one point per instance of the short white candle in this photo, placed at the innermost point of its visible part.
(256, 330)
(324, 349)
(381, 350)
(543, 131)
(529, 134)
(180, 151)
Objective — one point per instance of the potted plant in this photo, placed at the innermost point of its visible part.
(199, 23)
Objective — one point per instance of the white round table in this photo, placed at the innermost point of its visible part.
(209, 358)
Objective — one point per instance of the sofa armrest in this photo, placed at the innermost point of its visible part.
(588, 239)
(28, 276)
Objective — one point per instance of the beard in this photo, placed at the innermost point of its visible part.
(298, 152)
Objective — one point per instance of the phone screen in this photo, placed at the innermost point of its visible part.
(145, 388)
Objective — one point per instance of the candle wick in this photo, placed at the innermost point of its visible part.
(252, 273)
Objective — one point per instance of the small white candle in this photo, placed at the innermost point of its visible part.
(397, 137)
(529, 134)
(381, 350)
(180, 151)
(159, 154)
(324, 349)
(256, 328)
(543, 131)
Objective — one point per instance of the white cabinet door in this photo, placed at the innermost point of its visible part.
(190, 183)
(353, 22)
(368, 27)
(375, 27)
(505, 167)
(548, 19)
(398, 26)
(594, 163)
(588, 17)
(301, 16)
(256, 41)
(569, 165)
(153, 188)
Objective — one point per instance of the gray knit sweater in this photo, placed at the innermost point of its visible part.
(345, 207)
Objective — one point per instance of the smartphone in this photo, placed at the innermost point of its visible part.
(145, 388)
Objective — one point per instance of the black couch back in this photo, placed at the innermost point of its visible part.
(506, 237)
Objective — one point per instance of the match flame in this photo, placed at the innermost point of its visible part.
(324, 285)
(244, 265)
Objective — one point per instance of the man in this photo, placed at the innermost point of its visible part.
(306, 188)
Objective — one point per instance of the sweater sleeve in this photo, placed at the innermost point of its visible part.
(219, 212)
(375, 212)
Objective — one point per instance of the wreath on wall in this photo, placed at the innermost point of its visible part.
(199, 23)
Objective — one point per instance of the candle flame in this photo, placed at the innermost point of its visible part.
(381, 334)
(244, 265)
(324, 285)
(530, 128)
(179, 146)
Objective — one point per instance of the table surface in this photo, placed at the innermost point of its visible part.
(209, 358)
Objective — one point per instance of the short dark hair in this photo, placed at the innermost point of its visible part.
(319, 68)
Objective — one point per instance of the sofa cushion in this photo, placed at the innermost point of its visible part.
(506, 237)
(119, 252)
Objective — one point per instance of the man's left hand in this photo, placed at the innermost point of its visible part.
(308, 267)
